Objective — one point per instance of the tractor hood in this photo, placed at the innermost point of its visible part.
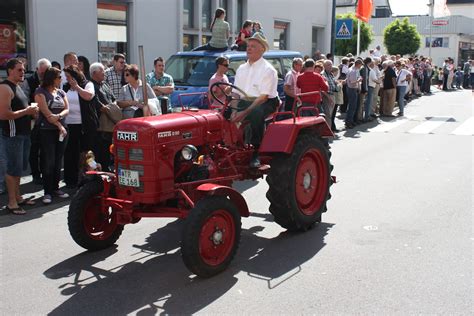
(186, 126)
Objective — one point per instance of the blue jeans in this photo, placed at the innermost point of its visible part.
(401, 90)
(3, 164)
(352, 105)
(368, 103)
(17, 151)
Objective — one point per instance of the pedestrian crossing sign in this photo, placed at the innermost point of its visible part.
(344, 29)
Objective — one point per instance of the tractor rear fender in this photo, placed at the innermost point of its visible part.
(230, 193)
(280, 136)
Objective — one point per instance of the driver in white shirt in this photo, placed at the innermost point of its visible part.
(259, 80)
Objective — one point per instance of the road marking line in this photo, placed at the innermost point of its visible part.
(387, 126)
(430, 125)
(467, 128)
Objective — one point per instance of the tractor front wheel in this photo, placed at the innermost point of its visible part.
(299, 184)
(90, 225)
(211, 236)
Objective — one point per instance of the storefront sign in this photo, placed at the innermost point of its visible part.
(440, 22)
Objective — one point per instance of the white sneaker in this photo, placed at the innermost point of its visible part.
(61, 194)
(47, 199)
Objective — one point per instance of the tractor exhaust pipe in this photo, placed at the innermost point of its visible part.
(141, 58)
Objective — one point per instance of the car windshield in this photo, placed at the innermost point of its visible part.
(191, 70)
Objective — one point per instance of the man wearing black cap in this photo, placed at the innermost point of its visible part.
(259, 80)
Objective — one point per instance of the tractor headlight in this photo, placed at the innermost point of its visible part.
(189, 152)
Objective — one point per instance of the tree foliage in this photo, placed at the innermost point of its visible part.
(401, 37)
(345, 46)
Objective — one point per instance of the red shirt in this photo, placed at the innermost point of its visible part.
(311, 81)
(247, 34)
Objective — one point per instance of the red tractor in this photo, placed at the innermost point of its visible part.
(183, 165)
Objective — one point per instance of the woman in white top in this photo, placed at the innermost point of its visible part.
(80, 121)
(131, 95)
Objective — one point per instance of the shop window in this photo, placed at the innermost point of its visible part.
(188, 14)
(189, 42)
(437, 42)
(206, 14)
(240, 13)
(112, 31)
(12, 31)
(205, 39)
(224, 4)
(280, 38)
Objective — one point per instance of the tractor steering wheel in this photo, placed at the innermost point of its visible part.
(222, 86)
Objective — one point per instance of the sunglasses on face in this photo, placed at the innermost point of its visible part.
(225, 65)
(127, 74)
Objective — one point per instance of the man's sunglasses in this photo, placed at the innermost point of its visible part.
(225, 65)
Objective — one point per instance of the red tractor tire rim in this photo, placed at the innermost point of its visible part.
(311, 182)
(217, 237)
(99, 223)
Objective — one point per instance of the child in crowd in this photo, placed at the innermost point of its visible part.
(257, 28)
(241, 40)
(87, 163)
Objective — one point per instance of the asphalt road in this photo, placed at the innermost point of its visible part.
(397, 239)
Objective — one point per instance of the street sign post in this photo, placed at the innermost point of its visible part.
(344, 29)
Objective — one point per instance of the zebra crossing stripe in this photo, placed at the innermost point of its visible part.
(387, 126)
(467, 128)
(430, 125)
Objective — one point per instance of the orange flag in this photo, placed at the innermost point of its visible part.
(364, 10)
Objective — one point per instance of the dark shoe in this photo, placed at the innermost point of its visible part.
(61, 194)
(255, 163)
(349, 125)
(400, 113)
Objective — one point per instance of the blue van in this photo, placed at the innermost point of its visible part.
(191, 72)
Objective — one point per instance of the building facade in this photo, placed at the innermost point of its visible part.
(97, 29)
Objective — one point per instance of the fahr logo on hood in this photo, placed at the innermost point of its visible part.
(127, 136)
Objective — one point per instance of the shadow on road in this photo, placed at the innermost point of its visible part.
(156, 281)
(33, 212)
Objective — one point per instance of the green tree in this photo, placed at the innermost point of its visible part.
(401, 37)
(345, 46)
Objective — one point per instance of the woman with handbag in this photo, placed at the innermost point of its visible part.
(131, 95)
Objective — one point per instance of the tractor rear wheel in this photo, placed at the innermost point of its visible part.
(211, 236)
(299, 184)
(91, 226)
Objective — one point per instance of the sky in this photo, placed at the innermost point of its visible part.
(409, 7)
